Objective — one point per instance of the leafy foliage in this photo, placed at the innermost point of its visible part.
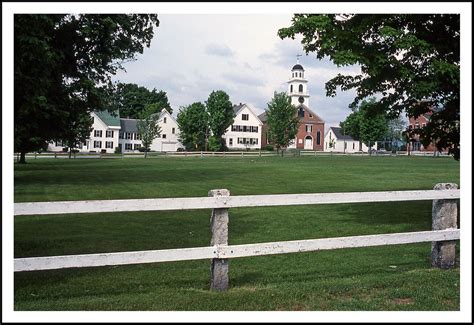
(148, 126)
(282, 120)
(221, 114)
(63, 66)
(412, 61)
(193, 126)
(366, 123)
(131, 99)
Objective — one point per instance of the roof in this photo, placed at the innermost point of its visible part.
(263, 117)
(297, 67)
(236, 108)
(306, 108)
(339, 135)
(109, 118)
(128, 125)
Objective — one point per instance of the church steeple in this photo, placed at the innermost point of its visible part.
(297, 85)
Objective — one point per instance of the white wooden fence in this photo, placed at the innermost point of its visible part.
(443, 234)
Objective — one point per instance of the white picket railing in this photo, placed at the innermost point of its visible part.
(444, 231)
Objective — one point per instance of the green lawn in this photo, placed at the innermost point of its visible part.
(381, 278)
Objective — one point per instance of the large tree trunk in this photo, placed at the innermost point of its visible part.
(22, 158)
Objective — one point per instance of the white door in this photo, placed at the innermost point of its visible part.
(308, 142)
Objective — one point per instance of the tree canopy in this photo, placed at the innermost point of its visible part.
(412, 61)
(131, 99)
(366, 123)
(148, 126)
(193, 126)
(63, 65)
(221, 116)
(282, 119)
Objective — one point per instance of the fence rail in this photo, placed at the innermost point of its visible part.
(443, 235)
(224, 154)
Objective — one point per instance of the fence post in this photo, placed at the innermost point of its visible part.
(55, 156)
(444, 214)
(260, 153)
(201, 154)
(242, 155)
(220, 234)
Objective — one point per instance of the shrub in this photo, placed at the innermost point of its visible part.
(214, 144)
(180, 150)
(74, 150)
(118, 150)
(268, 147)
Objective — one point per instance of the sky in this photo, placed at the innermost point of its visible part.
(193, 54)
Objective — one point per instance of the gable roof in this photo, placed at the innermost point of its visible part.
(128, 125)
(306, 108)
(263, 117)
(339, 135)
(238, 108)
(109, 119)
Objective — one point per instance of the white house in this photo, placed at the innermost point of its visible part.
(109, 131)
(336, 141)
(246, 131)
(169, 136)
(104, 136)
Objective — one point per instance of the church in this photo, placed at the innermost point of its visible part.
(310, 134)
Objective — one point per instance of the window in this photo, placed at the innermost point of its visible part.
(417, 125)
(300, 141)
(109, 144)
(353, 145)
(97, 144)
(245, 117)
(98, 133)
(318, 138)
(301, 74)
(136, 146)
(128, 135)
(172, 131)
(163, 136)
(109, 134)
(309, 128)
(410, 126)
(423, 125)
(120, 135)
(300, 88)
(231, 141)
(128, 146)
(301, 112)
(310, 115)
(164, 119)
(137, 136)
(291, 88)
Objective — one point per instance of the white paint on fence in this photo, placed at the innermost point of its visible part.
(103, 259)
(224, 252)
(68, 207)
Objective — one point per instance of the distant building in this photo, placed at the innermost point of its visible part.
(336, 141)
(414, 143)
(246, 131)
(311, 129)
(109, 132)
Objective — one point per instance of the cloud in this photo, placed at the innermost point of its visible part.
(219, 50)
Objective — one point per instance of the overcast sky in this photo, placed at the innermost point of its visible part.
(192, 55)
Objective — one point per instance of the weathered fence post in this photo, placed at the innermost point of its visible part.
(201, 154)
(444, 213)
(220, 234)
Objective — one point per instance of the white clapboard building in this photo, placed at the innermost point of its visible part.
(109, 132)
(336, 141)
(246, 131)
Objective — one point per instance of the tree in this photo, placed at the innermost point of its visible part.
(283, 121)
(148, 127)
(411, 60)
(78, 130)
(366, 123)
(396, 127)
(221, 115)
(193, 125)
(131, 99)
(64, 63)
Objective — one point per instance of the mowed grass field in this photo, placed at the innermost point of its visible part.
(397, 277)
